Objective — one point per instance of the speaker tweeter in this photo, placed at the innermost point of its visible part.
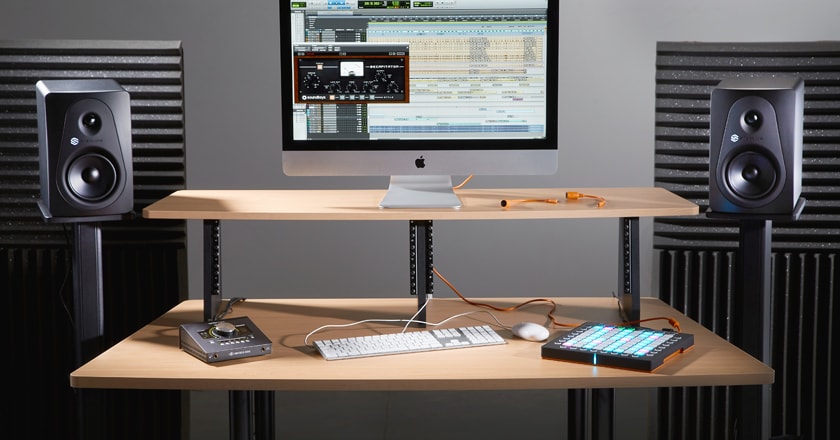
(84, 134)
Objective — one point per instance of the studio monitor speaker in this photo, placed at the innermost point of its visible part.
(755, 145)
(84, 134)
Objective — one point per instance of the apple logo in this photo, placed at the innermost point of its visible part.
(420, 162)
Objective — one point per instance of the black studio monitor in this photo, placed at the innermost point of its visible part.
(755, 146)
(84, 134)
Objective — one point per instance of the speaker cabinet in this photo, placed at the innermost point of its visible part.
(84, 134)
(755, 145)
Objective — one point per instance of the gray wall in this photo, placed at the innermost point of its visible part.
(606, 128)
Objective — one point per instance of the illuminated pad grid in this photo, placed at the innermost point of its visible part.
(636, 348)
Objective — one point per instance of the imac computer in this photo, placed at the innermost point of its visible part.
(419, 91)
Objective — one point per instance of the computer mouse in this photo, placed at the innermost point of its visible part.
(530, 331)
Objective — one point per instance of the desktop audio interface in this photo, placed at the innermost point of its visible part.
(217, 341)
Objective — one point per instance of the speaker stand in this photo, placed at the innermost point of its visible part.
(88, 309)
(89, 319)
(752, 331)
(89, 315)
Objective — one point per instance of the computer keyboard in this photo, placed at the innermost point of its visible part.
(408, 342)
(635, 348)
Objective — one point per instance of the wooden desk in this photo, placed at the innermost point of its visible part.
(624, 204)
(151, 359)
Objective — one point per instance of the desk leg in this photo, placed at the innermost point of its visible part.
(629, 288)
(420, 259)
(251, 415)
(603, 415)
(264, 415)
(591, 414)
(240, 414)
(577, 414)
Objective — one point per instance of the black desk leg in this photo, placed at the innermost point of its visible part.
(576, 409)
(240, 414)
(264, 415)
(251, 415)
(591, 414)
(603, 415)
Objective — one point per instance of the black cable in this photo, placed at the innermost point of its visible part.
(228, 308)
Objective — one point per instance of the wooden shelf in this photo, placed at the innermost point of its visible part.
(151, 358)
(478, 204)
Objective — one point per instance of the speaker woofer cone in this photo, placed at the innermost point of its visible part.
(92, 177)
(751, 175)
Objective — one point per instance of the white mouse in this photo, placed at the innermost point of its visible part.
(530, 331)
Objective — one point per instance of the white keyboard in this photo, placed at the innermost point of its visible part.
(408, 342)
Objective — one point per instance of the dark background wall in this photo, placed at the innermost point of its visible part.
(60, 276)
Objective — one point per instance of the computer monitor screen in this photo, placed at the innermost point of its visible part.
(419, 91)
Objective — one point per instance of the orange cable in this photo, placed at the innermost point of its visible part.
(505, 203)
(550, 314)
(673, 322)
(464, 182)
(570, 195)
(574, 195)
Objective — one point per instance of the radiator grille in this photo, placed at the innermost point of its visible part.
(143, 261)
(698, 255)
(703, 284)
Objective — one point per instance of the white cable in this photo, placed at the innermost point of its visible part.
(407, 321)
(410, 320)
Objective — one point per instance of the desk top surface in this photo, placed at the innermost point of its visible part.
(151, 358)
(364, 205)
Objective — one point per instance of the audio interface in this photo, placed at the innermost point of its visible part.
(217, 341)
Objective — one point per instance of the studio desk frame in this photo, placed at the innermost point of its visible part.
(293, 366)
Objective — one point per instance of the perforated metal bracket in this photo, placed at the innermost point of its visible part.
(212, 268)
(628, 269)
(421, 262)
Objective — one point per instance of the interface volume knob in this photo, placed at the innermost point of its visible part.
(225, 329)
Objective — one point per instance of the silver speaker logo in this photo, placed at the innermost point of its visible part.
(734, 138)
(74, 141)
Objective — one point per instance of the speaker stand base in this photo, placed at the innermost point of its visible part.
(792, 216)
(48, 217)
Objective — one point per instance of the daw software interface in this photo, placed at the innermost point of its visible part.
(422, 69)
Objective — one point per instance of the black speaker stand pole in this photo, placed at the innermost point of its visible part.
(752, 314)
(89, 313)
(89, 320)
(752, 332)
